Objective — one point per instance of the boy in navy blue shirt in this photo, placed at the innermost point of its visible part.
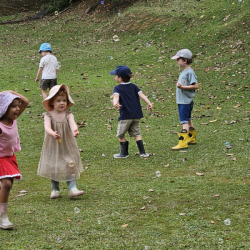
(126, 97)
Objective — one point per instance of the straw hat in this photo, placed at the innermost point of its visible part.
(54, 90)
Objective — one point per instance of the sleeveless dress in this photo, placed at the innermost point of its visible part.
(9, 143)
(60, 158)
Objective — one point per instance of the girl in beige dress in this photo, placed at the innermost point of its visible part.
(60, 158)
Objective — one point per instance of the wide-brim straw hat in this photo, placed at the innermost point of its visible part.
(6, 98)
(54, 90)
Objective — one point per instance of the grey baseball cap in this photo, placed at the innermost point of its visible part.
(185, 53)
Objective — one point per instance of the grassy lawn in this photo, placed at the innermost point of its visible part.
(184, 210)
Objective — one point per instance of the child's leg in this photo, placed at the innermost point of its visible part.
(44, 93)
(185, 114)
(55, 190)
(73, 191)
(6, 185)
(122, 128)
(140, 145)
(192, 133)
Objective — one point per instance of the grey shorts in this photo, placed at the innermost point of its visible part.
(132, 126)
(48, 83)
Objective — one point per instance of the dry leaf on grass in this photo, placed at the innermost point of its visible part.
(20, 195)
(230, 154)
(143, 208)
(23, 192)
(212, 222)
(216, 195)
(199, 174)
(68, 220)
(182, 213)
(166, 165)
(125, 225)
(150, 190)
(234, 159)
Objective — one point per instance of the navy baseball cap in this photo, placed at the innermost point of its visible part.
(122, 71)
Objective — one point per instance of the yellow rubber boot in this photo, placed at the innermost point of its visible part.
(192, 137)
(183, 141)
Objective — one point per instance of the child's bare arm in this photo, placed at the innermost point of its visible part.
(73, 125)
(189, 87)
(116, 101)
(24, 101)
(145, 99)
(48, 129)
(38, 74)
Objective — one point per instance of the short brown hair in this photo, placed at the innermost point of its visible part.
(189, 61)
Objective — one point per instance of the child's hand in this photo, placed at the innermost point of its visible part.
(37, 80)
(75, 133)
(150, 106)
(179, 85)
(56, 135)
(117, 105)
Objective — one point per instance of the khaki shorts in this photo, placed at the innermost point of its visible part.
(48, 83)
(132, 126)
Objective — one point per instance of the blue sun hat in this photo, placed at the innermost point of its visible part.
(6, 98)
(45, 47)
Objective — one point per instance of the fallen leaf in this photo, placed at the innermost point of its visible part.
(182, 213)
(26, 90)
(234, 159)
(80, 150)
(212, 222)
(166, 165)
(125, 225)
(150, 190)
(68, 220)
(149, 202)
(218, 107)
(183, 151)
(238, 105)
(230, 154)
(22, 191)
(199, 174)
(143, 208)
(213, 120)
(20, 195)
(216, 195)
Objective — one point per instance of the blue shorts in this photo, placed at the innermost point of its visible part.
(185, 112)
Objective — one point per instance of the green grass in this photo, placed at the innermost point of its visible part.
(116, 189)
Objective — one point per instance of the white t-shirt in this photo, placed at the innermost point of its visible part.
(50, 65)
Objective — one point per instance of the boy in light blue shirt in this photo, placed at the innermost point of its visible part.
(185, 92)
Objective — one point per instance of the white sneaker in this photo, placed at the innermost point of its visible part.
(144, 155)
(54, 194)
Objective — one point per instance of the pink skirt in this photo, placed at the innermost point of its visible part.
(9, 168)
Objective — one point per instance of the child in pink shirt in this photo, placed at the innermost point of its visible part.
(12, 105)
